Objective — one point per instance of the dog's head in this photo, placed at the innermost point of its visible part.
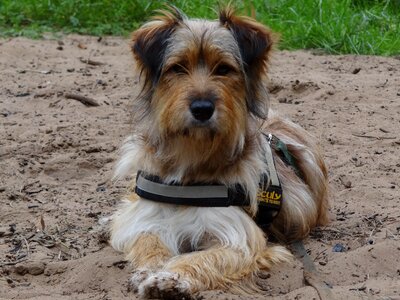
(203, 80)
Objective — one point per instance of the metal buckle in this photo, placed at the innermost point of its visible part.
(269, 138)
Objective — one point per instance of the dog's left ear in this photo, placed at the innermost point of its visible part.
(255, 43)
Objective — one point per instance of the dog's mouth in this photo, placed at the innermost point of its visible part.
(199, 131)
(210, 124)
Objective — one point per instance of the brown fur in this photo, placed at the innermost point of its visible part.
(149, 252)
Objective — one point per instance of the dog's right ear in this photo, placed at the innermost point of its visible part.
(151, 40)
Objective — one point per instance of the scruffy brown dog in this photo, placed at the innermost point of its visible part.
(203, 132)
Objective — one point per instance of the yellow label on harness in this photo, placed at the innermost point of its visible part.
(269, 197)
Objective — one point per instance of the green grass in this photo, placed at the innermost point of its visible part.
(335, 26)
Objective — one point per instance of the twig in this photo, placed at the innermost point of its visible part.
(384, 130)
(24, 187)
(27, 246)
(91, 62)
(363, 288)
(322, 252)
(374, 137)
(36, 71)
(15, 212)
(12, 263)
(392, 235)
(84, 100)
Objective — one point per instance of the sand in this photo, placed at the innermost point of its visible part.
(57, 157)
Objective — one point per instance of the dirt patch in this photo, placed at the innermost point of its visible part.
(57, 156)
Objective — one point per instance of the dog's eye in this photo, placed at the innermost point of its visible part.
(178, 69)
(223, 70)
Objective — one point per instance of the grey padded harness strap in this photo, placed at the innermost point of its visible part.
(181, 191)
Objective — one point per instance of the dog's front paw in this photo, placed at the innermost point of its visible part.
(165, 285)
(137, 278)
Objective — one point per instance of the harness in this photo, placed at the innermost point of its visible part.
(269, 195)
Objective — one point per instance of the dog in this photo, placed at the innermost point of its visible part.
(203, 123)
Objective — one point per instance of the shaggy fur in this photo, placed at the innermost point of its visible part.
(179, 250)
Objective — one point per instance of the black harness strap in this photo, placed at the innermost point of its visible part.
(270, 194)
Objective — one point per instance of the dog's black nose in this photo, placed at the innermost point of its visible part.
(202, 110)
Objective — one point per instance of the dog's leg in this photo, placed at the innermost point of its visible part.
(147, 255)
(219, 267)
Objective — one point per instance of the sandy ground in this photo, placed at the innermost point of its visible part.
(57, 156)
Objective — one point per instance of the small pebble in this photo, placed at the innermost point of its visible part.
(339, 248)
(101, 189)
(5, 231)
(33, 268)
